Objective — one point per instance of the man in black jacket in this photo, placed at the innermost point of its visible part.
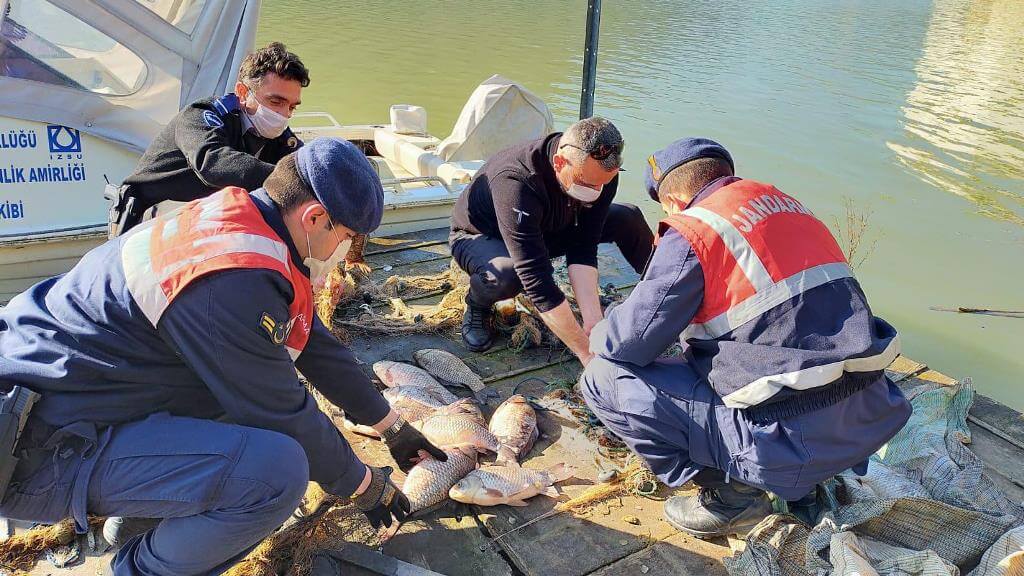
(234, 140)
(533, 202)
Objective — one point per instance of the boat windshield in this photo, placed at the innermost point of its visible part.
(41, 42)
(183, 14)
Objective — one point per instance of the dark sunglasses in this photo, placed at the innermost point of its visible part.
(601, 153)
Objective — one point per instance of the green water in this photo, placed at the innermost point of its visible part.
(913, 109)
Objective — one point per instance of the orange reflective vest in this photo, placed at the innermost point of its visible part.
(223, 231)
(758, 249)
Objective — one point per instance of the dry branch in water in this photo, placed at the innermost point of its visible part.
(852, 232)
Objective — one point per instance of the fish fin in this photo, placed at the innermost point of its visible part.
(494, 492)
(550, 491)
(561, 472)
(507, 455)
(516, 503)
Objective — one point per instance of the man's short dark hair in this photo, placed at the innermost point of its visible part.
(286, 188)
(691, 177)
(274, 58)
(594, 137)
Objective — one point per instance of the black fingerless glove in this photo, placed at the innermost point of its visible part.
(382, 500)
(405, 442)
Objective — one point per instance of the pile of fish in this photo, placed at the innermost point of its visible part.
(457, 426)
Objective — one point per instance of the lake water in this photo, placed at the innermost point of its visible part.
(913, 109)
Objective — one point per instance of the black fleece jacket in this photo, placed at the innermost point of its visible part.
(516, 197)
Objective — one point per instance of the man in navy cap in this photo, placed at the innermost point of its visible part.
(165, 361)
(780, 381)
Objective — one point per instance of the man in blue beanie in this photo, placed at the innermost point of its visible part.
(165, 368)
(780, 383)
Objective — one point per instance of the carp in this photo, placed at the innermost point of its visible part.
(457, 430)
(449, 369)
(508, 483)
(514, 423)
(401, 374)
(430, 480)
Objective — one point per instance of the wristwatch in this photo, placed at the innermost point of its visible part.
(390, 432)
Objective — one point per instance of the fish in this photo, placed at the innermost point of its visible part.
(463, 407)
(401, 374)
(457, 430)
(449, 369)
(413, 410)
(414, 402)
(508, 483)
(514, 423)
(430, 480)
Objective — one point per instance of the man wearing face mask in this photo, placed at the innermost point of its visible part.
(233, 140)
(165, 362)
(531, 203)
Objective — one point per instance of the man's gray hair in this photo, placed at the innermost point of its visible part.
(593, 136)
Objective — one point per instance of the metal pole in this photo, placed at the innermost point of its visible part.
(590, 59)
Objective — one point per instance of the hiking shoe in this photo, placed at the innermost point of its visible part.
(117, 530)
(732, 509)
(477, 326)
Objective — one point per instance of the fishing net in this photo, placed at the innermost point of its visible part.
(328, 524)
(19, 553)
(925, 507)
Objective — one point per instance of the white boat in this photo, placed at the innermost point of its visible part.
(87, 84)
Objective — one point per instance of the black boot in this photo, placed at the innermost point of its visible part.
(477, 326)
(733, 508)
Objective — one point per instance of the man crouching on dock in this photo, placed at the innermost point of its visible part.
(781, 380)
(165, 361)
(535, 201)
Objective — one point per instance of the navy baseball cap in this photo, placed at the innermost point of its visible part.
(678, 153)
(344, 181)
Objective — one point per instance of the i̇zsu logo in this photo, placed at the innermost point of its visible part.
(64, 142)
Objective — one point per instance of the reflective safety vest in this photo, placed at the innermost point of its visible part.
(222, 231)
(758, 249)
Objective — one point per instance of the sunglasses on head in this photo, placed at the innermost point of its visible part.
(602, 152)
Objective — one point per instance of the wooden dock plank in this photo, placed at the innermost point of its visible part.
(677, 555)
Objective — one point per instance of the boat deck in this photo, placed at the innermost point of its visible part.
(456, 539)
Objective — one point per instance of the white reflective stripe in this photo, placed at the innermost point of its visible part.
(765, 300)
(764, 388)
(143, 284)
(737, 244)
(212, 207)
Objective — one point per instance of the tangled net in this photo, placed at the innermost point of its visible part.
(328, 523)
(633, 479)
(19, 553)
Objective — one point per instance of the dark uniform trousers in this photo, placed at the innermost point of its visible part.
(219, 488)
(492, 277)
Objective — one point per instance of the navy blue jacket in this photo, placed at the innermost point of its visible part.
(834, 316)
(82, 343)
(207, 146)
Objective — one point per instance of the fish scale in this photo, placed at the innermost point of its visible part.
(444, 429)
(448, 367)
(430, 480)
(514, 423)
(401, 374)
(506, 484)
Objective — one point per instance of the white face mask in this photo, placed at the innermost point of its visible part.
(319, 269)
(584, 194)
(268, 123)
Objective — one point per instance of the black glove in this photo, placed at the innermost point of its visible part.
(382, 500)
(405, 442)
